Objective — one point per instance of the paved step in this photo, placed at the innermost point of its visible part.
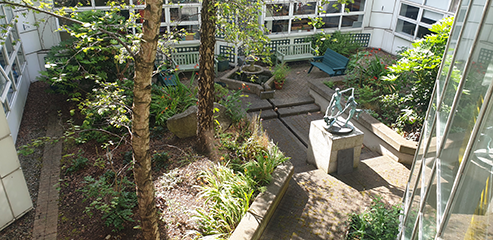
(300, 124)
(295, 101)
(300, 109)
(264, 114)
(253, 103)
(289, 144)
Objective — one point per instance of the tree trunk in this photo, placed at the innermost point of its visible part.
(205, 116)
(144, 64)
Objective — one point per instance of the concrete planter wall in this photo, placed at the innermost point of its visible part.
(378, 137)
(264, 91)
(253, 224)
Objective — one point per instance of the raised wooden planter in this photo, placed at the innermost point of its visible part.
(253, 224)
(378, 137)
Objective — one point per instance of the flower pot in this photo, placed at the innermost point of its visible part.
(223, 65)
(278, 85)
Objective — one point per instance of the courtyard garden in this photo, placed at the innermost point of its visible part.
(198, 195)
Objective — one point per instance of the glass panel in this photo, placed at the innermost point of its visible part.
(14, 72)
(329, 8)
(184, 14)
(471, 209)
(10, 93)
(184, 1)
(3, 60)
(163, 17)
(331, 22)
(9, 46)
(15, 34)
(277, 10)
(440, 4)
(105, 2)
(405, 27)
(430, 17)
(192, 30)
(423, 31)
(301, 25)
(358, 5)
(2, 20)
(353, 21)
(72, 3)
(4, 108)
(302, 8)
(477, 80)
(412, 213)
(277, 26)
(9, 14)
(3, 83)
(409, 11)
(20, 56)
(428, 228)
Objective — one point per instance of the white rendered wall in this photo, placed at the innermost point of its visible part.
(15, 200)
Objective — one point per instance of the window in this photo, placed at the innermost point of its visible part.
(277, 10)
(352, 21)
(409, 11)
(331, 22)
(307, 8)
(184, 14)
(358, 5)
(329, 8)
(277, 26)
(415, 20)
(301, 25)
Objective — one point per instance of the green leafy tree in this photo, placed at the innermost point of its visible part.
(417, 68)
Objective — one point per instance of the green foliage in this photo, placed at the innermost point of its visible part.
(417, 68)
(230, 190)
(232, 103)
(377, 222)
(107, 110)
(76, 163)
(280, 72)
(261, 170)
(74, 65)
(160, 159)
(329, 84)
(113, 198)
(168, 101)
(229, 195)
(337, 41)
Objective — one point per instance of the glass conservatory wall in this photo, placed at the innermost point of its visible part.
(456, 145)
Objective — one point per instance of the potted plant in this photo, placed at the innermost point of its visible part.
(280, 73)
(222, 62)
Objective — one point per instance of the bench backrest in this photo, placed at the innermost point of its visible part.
(185, 58)
(335, 60)
(295, 49)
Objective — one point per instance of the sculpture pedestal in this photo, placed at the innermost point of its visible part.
(331, 152)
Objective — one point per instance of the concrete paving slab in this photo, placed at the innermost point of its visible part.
(288, 143)
(296, 110)
(264, 114)
(300, 124)
(289, 101)
(253, 103)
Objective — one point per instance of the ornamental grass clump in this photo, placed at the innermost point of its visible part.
(230, 188)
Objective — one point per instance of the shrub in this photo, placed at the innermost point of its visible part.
(113, 198)
(77, 163)
(260, 169)
(338, 42)
(168, 101)
(377, 222)
(231, 101)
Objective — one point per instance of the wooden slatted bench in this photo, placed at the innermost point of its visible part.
(185, 61)
(332, 63)
(294, 52)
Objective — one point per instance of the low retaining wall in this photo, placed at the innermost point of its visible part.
(263, 91)
(252, 225)
(378, 137)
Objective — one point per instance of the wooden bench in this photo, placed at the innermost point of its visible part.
(294, 52)
(332, 63)
(185, 61)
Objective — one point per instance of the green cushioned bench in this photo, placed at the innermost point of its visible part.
(332, 63)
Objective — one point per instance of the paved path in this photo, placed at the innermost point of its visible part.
(316, 204)
(46, 218)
